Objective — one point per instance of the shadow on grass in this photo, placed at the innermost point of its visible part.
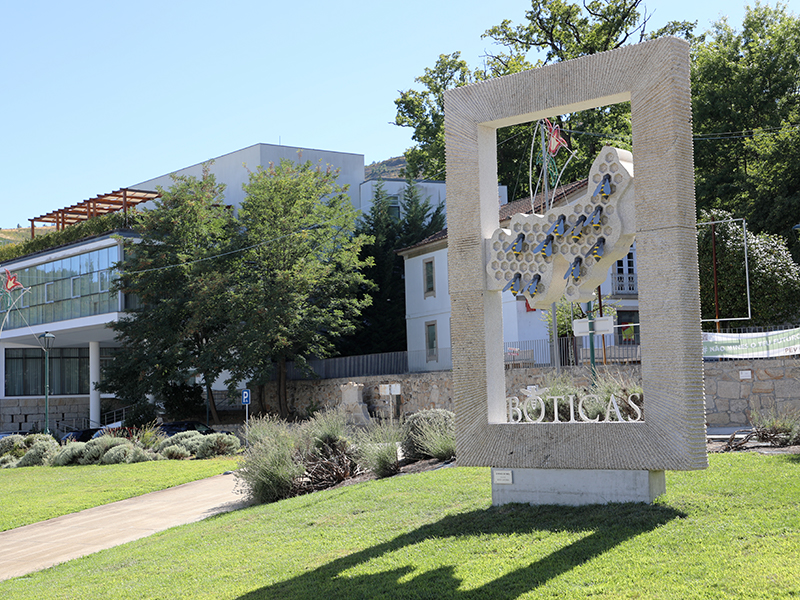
(609, 526)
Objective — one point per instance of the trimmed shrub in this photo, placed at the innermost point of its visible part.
(13, 445)
(8, 461)
(95, 449)
(69, 454)
(140, 454)
(377, 447)
(175, 452)
(268, 469)
(32, 438)
(118, 454)
(419, 428)
(190, 440)
(40, 453)
(218, 444)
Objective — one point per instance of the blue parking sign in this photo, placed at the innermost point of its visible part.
(245, 396)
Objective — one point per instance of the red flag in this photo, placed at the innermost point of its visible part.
(555, 141)
(11, 282)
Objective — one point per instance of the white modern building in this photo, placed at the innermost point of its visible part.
(67, 292)
(525, 330)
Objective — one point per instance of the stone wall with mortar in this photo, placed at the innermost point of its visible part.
(736, 388)
(730, 398)
(27, 414)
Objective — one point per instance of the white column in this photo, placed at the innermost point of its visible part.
(94, 377)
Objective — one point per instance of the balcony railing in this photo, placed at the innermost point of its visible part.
(624, 284)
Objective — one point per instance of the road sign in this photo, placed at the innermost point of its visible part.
(602, 325)
(245, 397)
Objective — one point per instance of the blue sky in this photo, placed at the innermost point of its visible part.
(99, 95)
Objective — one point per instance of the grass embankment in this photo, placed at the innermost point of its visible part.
(32, 494)
(732, 531)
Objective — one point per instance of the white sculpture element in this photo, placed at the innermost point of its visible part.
(353, 403)
(568, 250)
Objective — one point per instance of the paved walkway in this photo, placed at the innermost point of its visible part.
(41, 545)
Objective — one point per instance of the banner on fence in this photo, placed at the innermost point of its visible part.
(765, 344)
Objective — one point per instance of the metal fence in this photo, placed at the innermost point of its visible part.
(572, 351)
(525, 354)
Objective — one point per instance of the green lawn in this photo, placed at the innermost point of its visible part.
(732, 531)
(33, 494)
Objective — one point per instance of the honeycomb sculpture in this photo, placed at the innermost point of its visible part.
(568, 250)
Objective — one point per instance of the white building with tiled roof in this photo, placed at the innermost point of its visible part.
(428, 299)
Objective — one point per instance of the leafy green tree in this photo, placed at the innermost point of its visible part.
(746, 111)
(176, 282)
(774, 276)
(774, 205)
(562, 31)
(297, 280)
(383, 324)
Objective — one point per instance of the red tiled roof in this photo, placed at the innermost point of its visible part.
(523, 205)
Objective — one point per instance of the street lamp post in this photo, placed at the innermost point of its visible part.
(47, 345)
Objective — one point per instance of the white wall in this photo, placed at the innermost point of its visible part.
(233, 169)
(421, 310)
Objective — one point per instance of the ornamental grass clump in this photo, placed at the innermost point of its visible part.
(777, 428)
(426, 430)
(269, 468)
(377, 448)
(325, 451)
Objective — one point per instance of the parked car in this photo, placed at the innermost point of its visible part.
(171, 429)
(81, 435)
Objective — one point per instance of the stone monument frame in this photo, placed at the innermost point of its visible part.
(654, 77)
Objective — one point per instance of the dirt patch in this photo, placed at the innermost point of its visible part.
(760, 447)
(406, 467)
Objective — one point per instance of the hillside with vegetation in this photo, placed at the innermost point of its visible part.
(391, 168)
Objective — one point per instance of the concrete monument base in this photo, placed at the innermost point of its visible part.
(575, 487)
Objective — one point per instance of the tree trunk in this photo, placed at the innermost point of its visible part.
(261, 396)
(211, 404)
(283, 403)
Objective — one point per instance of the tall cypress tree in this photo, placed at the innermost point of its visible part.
(383, 326)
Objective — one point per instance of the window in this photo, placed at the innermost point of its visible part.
(627, 327)
(431, 346)
(69, 371)
(78, 286)
(394, 207)
(429, 283)
(624, 278)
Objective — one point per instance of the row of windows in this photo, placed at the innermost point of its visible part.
(85, 306)
(69, 370)
(67, 268)
(68, 288)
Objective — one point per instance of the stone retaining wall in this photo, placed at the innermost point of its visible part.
(736, 388)
(27, 414)
(773, 384)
